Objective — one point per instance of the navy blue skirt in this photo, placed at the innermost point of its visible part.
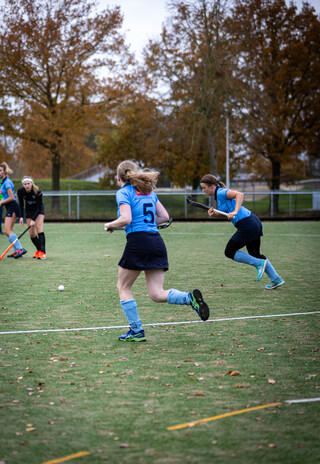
(144, 252)
(249, 229)
(12, 207)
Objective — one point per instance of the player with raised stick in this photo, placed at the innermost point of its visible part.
(139, 211)
(30, 196)
(249, 229)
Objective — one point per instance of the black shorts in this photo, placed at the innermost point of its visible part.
(249, 229)
(144, 252)
(12, 207)
(33, 214)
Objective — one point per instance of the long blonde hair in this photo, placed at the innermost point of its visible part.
(6, 168)
(210, 179)
(35, 188)
(143, 180)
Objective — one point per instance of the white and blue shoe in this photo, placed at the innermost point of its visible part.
(274, 283)
(261, 268)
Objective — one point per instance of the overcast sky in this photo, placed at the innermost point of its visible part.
(143, 19)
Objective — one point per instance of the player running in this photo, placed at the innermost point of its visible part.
(139, 211)
(31, 196)
(13, 210)
(249, 229)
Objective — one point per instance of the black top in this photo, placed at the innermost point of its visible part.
(34, 204)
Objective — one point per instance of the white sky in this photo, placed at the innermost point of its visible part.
(143, 19)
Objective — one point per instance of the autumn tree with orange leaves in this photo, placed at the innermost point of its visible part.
(279, 68)
(50, 55)
(194, 60)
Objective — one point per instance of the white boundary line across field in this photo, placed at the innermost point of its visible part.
(78, 329)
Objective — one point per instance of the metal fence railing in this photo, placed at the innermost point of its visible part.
(101, 204)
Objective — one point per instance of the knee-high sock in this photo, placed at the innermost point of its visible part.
(242, 257)
(17, 246)
(271, 272)
(42, 240)
(130, 310)
(177, 297)
(35, 240)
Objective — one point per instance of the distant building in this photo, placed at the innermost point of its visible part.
(93, 174)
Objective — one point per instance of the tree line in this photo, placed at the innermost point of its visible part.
(73, 95)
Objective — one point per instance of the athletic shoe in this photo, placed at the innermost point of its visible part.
(261, 269)
(198, 304)
(20, 253)
(41, 255)
(131, 336)
(36, 255)
(274, 284)
(13, 255)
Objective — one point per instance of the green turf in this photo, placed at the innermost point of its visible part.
(66, 392)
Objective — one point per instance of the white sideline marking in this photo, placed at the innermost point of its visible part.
(304, 400)
(75, 329)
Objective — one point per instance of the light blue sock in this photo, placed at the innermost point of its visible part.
(130, 310)
(270, 271)
(17, 246)
(177, 297)
(242, 257)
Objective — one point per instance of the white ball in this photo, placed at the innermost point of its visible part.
(61, 288)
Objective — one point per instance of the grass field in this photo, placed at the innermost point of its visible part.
(83, 396)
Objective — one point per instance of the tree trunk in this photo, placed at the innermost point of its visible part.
(212, 153)
(56, 182)
(275, 184)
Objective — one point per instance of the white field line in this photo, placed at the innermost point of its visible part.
(171, 232)
(303, 400)
(75, 329)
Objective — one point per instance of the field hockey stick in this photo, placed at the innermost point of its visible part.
(202, 206)
(164, 225)
(9, 247)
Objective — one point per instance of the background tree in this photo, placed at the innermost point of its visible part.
(194, 60)
(50, 55)
(279, 68)
(133, 130)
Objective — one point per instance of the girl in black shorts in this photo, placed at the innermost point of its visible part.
(30, 196)
(249, 229)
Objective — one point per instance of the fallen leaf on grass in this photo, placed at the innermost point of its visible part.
(232, 373)
(311, 376)
(272, 381)
(272, 445)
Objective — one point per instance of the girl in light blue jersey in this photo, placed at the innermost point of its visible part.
(139, 211)
(249, 229)
(13, 210)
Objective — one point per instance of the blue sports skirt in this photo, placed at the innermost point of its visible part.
(144, 252)
(249, 229)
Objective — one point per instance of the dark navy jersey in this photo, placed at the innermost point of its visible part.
(33, 202)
